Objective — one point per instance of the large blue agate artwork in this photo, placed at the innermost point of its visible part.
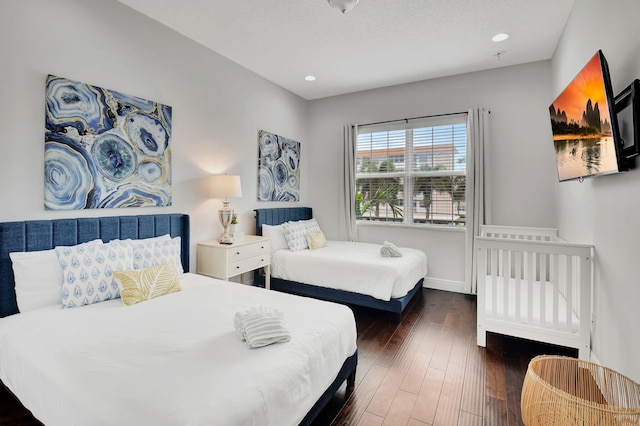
(278, 168)
(104, 149)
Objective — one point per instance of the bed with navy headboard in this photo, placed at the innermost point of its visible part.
(123, 406)
(34, 235)
(277, 216)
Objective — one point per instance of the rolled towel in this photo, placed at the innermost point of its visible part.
(240, 317)
(261, 326)
(390, 250)
(238, 324)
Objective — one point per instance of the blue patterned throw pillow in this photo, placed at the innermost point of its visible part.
(87, 271)
(296, 233)
(152, 253)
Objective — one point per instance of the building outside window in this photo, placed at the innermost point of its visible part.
(413, 172)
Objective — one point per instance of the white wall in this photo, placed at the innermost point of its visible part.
(522, 171)
(218, 106)
(604, 210)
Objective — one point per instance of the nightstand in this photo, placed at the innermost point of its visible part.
(228, 260)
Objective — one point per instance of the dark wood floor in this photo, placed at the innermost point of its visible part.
(428, 370)
(425, 370)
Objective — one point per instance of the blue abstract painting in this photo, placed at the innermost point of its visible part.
(278, 168)
(104, 149)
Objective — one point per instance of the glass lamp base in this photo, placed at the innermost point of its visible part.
(225, 238)
(225, 220)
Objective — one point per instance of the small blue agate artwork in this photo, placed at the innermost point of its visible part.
(278, 168)
(104, 149)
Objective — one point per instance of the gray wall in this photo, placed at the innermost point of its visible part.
(604, 211)
(218, 106)
(520, 178)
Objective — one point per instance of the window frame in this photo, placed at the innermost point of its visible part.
(408, 174)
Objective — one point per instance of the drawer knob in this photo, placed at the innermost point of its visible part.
(237, 267)
(237, 253)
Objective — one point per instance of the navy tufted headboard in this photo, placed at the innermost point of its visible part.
(277, 216)
(36, 235)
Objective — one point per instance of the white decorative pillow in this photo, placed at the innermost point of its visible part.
(151, 253)
(165, 237)
(138, 285)
(87, 271)
(38, 278)
(276, 234)
(295, 233)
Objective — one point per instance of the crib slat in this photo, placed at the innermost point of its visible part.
(518, 280)
(570, 288)
(494, 281)
(481, 307)
(542, 266)
(530, 271)
(554, 276)
(506, 274)
(577, 283)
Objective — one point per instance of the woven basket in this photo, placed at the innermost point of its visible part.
(567, 391)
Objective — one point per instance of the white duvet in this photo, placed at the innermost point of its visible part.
(174, 360)
(356, 267)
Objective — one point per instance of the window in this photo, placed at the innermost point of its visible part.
(413, 173)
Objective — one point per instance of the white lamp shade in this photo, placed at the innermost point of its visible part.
(225, 186)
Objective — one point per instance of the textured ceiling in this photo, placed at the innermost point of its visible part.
(379, 43)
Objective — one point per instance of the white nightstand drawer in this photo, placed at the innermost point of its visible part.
(249, 264)
(225, 261)
(246, 251)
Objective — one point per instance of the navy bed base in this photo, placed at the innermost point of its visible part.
(33, 235)
(277, 216)
(347, 373)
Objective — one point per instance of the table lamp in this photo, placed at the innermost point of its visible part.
(225, 186)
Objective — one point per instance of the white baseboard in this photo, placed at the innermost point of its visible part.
(446, 285)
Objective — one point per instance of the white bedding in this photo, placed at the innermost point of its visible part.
(174, 360)
(351, 266)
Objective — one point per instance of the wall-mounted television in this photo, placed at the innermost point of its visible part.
(584, 125)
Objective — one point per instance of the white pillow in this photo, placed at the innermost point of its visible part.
(295, 233)
(276, 234)
(165, 237)
(38, 278)
(87, 271)
(151, 253)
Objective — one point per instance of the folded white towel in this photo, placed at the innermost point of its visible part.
(390, 250)
(261, 326)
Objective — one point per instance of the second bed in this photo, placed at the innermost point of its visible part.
(346, 272)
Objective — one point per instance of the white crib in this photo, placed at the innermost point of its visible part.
(534, 285)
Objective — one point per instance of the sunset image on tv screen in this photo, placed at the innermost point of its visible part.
(581, 124)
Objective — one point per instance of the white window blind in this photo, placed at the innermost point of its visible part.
(413, 172)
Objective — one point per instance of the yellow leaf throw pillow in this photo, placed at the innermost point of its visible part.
(316, 240)
(144, 284)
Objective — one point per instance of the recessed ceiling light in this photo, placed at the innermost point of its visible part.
(310, 78)
(500, 37)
